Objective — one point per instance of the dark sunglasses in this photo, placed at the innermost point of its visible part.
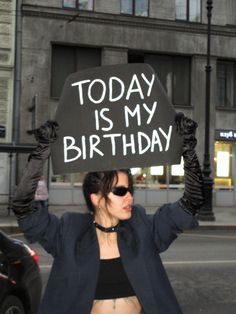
(121, 191)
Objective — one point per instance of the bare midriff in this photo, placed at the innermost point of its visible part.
(128, 305)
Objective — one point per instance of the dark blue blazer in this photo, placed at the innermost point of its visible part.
(73, 243)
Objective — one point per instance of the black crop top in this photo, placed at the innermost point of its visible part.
(112, 280)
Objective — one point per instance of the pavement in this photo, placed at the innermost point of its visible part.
(225, 217)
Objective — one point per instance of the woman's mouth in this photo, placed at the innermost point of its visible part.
(127, 208)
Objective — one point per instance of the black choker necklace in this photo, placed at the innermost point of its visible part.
(104, 229)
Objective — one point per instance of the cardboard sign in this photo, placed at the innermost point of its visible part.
(114, 117)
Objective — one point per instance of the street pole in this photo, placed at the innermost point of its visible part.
(206, 212)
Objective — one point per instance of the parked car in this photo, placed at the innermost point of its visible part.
(20, 279)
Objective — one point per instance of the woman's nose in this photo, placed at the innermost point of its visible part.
(129, 195)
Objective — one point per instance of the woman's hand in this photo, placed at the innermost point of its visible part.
(47, 132)
(187, 128)
(44, 135)
(192, 200)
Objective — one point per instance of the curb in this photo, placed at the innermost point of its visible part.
(217, 227)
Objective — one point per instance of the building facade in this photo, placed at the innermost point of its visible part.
(7, 61)
(60, 37)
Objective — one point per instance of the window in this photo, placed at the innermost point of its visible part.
(135, 7)
(226, 81)
(223, 165)
(69, 59)
(159, 176)
(69, 3)
(86, 5)
(173, 72)
(188, 10)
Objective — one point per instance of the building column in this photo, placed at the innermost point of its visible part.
(111, 56)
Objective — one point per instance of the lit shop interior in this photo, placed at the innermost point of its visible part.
(172, 177)
(224, 165)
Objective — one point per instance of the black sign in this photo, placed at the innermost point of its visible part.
(225, 135)
(114, 117)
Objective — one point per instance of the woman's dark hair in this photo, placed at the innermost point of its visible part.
(102, 182)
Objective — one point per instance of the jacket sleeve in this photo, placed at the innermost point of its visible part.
(23, 199)
(172, 219)
(168, 222)
(35, 221)
(46, 229)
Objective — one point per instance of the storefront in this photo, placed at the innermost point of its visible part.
(161, 184)
(154, 186)
(225, 167)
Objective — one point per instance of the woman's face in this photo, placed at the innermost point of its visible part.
(119, 207)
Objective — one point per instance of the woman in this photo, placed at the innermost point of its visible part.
(109, 196)
(107, 261)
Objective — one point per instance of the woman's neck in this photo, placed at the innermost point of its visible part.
(106, 229)
(105, 221)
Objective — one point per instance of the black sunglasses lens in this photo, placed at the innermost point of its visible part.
(120, 191)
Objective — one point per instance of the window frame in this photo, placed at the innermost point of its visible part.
(75, 50)
(77, 6)
(187, 19)
(139, 57)
(189, 61)
(218, 102)
(133, 13)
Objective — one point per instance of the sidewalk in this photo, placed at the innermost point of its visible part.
(225, 217)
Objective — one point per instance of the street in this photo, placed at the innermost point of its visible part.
(202, 269)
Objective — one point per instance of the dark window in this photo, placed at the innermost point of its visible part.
(135, 7)
(226, 81)
(86, 5)
(188, 10)
(68, 59)
(135, 58)
(173, 72)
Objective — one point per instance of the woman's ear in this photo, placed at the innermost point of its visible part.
(95, 199)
